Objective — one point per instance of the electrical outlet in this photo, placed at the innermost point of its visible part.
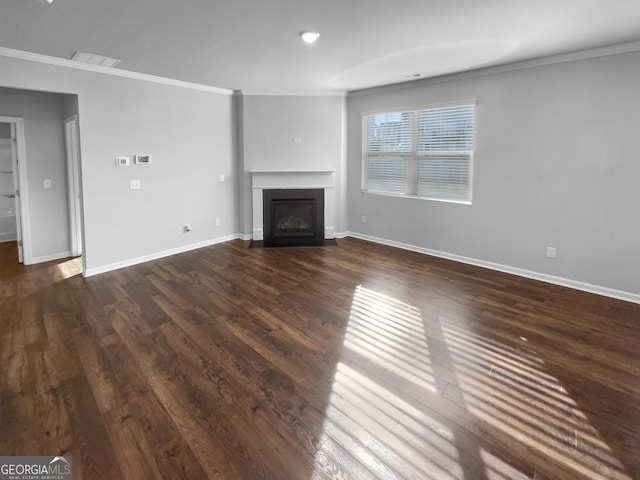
(217, 222)
(551, 252)
(222, 177)
(363, 219)
(135, 184)
(186, 228)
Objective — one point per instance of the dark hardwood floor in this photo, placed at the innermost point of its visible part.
(352, 362)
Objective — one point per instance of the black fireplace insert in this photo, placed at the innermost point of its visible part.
(293, 217)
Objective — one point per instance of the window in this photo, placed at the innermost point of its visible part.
(420, 153)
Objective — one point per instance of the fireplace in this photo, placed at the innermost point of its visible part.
(293, 217)
(281, 180)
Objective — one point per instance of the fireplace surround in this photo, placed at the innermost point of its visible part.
(297, 180)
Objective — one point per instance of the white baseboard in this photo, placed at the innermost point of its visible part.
(564, 282)
(48, 258)
(154, 256)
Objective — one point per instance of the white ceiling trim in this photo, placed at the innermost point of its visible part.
(538, 62)
(551, 60)
(421, 107)
(294, 93)
(62, 62)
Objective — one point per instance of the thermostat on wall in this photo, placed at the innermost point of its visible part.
(142, 159)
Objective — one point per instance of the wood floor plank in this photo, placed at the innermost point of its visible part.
(177, 403)
(93, 453)
(173, 456)
(356, 361)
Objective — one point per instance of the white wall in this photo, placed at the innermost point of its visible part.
(556, 164)
(43, 115)
(191, 137)
(268, 124)
(70, 105)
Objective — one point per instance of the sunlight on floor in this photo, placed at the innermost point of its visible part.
(414, 398)
(383, 377)
(385, 337)
(67, 269)
(509, 389)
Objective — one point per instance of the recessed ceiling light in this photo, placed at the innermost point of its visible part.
(309, 37)
(95, 59)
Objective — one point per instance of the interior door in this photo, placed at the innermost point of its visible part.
(19, 172)
(11, 182)
(73, 181)
(16, 188)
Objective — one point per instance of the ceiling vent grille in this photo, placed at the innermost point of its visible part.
(95, 59)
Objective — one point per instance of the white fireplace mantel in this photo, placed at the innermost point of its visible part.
(268, 179)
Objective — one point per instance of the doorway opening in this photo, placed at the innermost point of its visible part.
(13, 209)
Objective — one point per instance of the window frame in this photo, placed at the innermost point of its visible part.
(415, 155)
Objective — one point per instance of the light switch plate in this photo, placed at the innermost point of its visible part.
(122, 161)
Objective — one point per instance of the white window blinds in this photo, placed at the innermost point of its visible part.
(389, 147)
(421, 153)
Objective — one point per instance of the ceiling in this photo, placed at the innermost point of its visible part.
(253, 45)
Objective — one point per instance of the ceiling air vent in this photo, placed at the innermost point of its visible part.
(95, 59)
(407, 76)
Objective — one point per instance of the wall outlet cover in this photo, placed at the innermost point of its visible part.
(122, 161)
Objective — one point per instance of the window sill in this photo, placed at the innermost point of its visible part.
(415, 197)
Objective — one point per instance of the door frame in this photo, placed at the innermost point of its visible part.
(21, 186)
(72, 142)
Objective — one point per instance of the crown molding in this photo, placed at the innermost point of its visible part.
(538, 62)
(509, 67)
(63, 62)
(292, 93)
